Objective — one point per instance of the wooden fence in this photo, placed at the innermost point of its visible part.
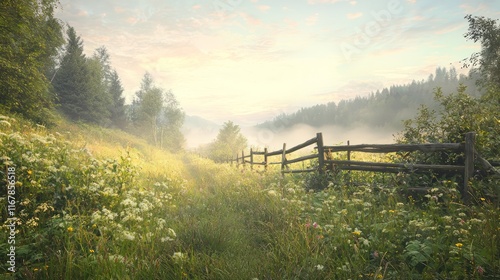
(467, 169)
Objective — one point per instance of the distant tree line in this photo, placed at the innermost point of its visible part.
(384, 108)
(45, 72)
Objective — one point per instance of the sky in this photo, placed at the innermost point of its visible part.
(249, 61)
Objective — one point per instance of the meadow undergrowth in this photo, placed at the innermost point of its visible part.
(100, 204)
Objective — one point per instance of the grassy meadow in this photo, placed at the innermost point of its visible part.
(93, 203)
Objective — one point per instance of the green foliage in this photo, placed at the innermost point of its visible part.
(87, 88)
(487, 61)
(30, 36)
(112, 88)
(156, 113)
(229, 142)
(117, 106)
(459, 113)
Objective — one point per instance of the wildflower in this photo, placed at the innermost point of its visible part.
(365, 241)
(30, 172)
(483, 199)
(70, 229)
(91, 251)
(178, 256)
(319, 267)
(392, 211)
(480, 270)
(171, 232)
(117, 258)
(356, 232)
(316, 225)
(459, 245)
(128, 235)
(165, 239)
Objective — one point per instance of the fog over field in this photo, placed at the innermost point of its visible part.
(332, 135)
(273, 139)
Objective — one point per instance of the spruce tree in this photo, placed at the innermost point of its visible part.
(80, 84)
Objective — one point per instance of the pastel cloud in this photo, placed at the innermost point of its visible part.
(354, 15)
(264, 8)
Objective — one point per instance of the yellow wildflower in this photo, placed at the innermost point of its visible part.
(459, 245)
(70, 229)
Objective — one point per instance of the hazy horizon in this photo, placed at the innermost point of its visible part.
(251, 60)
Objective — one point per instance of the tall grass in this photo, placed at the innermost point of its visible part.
(100, 204)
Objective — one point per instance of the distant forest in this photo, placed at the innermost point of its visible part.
(385, 109)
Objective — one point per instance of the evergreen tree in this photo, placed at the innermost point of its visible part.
(113, 88)
(71, 79)
(98, 93)
(80, 84)
(118, 117)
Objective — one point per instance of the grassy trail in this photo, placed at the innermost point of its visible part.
(219, 224)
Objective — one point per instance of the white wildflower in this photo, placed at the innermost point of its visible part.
(178, 256)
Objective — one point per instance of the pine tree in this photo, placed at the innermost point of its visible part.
(71, 79)
(117, 109)
(80, 84)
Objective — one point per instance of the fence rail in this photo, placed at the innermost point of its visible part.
(467, 169)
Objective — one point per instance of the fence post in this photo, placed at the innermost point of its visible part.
(251, 159)
(469, 164)
(321, 153)
(265, 159)
(283, 160)
(243, 158)
(349, 159)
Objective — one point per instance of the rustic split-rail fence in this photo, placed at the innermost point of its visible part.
(467, 148)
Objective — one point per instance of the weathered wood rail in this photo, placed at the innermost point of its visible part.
(467, 148)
